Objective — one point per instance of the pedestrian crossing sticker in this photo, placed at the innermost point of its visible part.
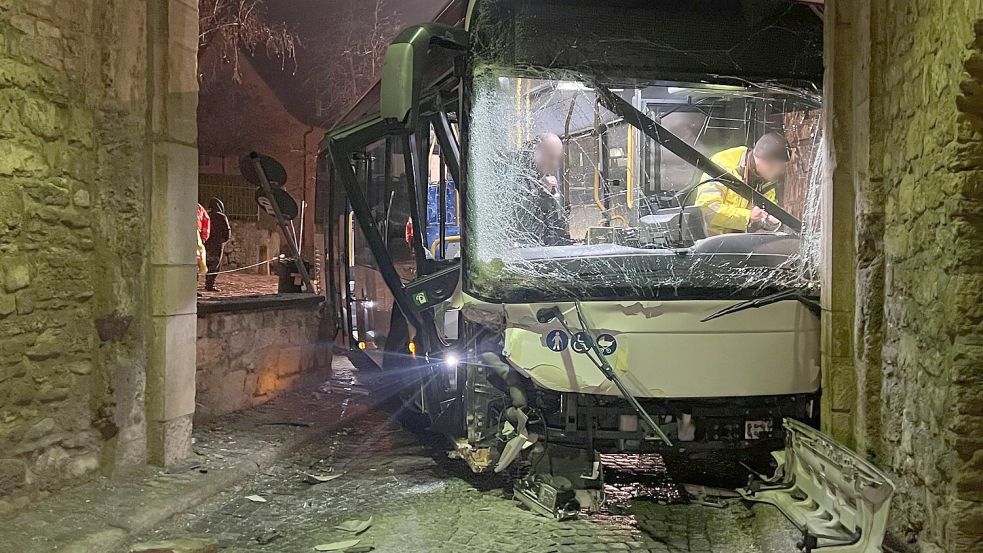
(557, 340)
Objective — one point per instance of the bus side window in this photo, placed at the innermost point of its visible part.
(450, 246)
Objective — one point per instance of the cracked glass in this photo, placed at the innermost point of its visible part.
(570, 196)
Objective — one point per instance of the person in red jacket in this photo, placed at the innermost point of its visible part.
(204, 226)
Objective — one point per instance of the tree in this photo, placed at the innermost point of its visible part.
(350, 61)
(238, 26)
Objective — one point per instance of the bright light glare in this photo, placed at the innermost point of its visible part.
(572, 85)
(451, 360)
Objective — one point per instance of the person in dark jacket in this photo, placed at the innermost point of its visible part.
(220, 233)
(542, 217)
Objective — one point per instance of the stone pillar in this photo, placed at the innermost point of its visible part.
(846, 100)
(173, 170)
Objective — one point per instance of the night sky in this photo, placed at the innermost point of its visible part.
(318, 16)
(310, 19)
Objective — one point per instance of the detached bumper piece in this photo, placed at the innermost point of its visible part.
(837, 499)
(547, 500)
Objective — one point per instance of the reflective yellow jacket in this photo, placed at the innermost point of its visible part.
(727, 211)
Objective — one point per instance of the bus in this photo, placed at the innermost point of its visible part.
(615, 263)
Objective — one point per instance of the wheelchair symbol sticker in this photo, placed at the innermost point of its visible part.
(557, 340)
(581, 342)
(607, 344)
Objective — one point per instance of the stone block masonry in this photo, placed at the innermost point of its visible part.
(72, 239)
(908, 92)
(97, 147)
(251, 350)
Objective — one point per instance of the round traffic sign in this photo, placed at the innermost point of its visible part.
(288, 206)
(275, 173)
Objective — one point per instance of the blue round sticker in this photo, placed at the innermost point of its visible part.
(557, 340)
(581, 342)
(607, 344)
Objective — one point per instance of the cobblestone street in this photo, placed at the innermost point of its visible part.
(420, 501)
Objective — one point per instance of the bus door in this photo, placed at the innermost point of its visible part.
(394, 283)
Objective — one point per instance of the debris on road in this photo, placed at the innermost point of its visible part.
(268, 536)
(336, 546)
(191, 545)
(256, 498)
(315, 479)
(708, 496)
(182, 468)
(425, 506)
(355, 526)
(298, 424)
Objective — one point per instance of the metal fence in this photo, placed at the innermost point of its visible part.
(238, 196)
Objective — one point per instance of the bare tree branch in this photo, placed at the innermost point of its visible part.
(346, 64)
(239, 26)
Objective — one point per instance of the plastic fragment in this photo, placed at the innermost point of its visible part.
(317, 479)
(355, 526)
(336, 546)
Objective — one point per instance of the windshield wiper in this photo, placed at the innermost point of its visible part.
(618, 106)
(799, 294)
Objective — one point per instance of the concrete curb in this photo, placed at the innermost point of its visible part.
(114, 535)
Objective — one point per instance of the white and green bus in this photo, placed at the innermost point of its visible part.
(583, 296)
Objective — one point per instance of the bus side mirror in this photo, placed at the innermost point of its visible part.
(407, 68)
(397, 82)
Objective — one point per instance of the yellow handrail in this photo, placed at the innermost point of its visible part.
(621, 218)
(450, 240)
(630, 185)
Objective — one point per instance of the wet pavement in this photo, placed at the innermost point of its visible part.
(421, 501)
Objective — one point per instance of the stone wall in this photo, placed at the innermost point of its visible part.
(249, 240)
(90, 138)
(250, 350)
(909, 105)
(72, 193)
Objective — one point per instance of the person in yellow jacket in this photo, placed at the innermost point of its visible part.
(762, 168)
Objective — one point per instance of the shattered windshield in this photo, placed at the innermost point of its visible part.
(580, 189)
